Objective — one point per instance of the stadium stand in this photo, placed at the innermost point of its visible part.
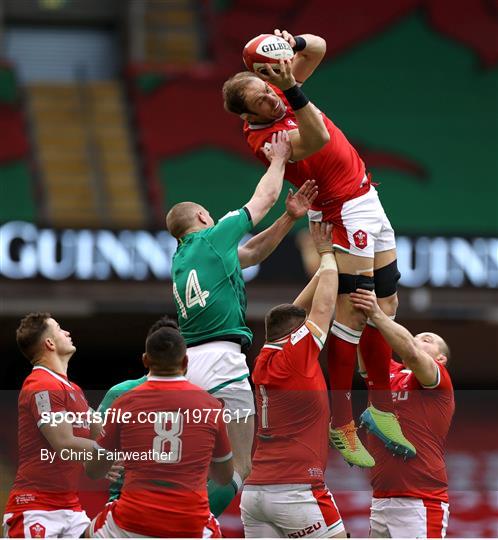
(85, 155)
(172, 32)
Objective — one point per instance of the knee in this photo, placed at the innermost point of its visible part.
(386, 282)
(346, 313)
(389, 305)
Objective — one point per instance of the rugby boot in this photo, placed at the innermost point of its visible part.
(348, 443)
(385, 426)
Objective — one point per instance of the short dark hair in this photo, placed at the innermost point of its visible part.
(29, 333)
(234, 92)
(281, 320)
(163, 322)
(165, 349)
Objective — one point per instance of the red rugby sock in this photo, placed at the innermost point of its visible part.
(377, 355)
(341, 364)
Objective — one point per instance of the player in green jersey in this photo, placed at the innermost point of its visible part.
(210, 295)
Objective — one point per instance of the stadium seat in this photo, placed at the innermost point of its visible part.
(85, 155)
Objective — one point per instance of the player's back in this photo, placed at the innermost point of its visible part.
(41, 483)
(425, 414)
(293, 412)
(175, 429)
(208, 286)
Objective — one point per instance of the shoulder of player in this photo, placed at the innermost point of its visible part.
(444, 379)
(309, 331)
(125, 386)
(41, 379)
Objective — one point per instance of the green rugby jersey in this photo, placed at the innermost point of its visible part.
(208, 287)
(112, 394)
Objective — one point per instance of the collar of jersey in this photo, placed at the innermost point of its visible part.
(263, 126)
(279, 343)
(166, 378)
(54, 374)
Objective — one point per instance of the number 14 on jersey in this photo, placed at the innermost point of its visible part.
(193, 294)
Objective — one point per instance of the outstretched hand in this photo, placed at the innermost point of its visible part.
(280, 147)
(297, 204)
(365, 301)
(115, 472)
(282, 78)
(321, 233)
(285, 35)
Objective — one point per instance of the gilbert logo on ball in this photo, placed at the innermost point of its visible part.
(266, 49)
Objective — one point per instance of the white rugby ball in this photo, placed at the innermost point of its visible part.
(266, 49)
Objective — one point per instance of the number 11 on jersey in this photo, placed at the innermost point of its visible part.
(193, 294)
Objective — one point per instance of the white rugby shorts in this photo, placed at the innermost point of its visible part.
(45, 524)
(220, 368)
(361, 226)
(408, 517)
(289, 511)
(104, 526)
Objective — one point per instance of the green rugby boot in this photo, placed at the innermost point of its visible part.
(348, 443)
(385, 426)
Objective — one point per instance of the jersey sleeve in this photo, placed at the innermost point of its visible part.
(230, 230)
(44, 402)
(110, 438)
(222, 450)
(303, 348)
(442, 382)
(112, 394)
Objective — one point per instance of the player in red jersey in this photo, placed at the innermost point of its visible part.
(285, 494)
(43, 502)
(178, 433)
(411, 500)
(362, 235)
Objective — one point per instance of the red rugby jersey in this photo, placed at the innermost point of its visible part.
(337, 168)
(293, 411)
(167, 498)
(425, 415)
(39, 484)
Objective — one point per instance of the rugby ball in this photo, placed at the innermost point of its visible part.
(266, 49)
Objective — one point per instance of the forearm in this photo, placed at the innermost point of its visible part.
(397, 336)
(325, 295)
(307, 60)
(270, 185)
(305, 298)
(264, 244)
(311, 127)
(78, 444)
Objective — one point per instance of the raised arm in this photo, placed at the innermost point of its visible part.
(269, 187)
(423, 366)
(261, 246)
(320, 237)
(311, 134)
(309, 50)
(324, 299)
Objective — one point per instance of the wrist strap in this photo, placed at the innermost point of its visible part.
(300, 44)
(328, 262)
(297, 100)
